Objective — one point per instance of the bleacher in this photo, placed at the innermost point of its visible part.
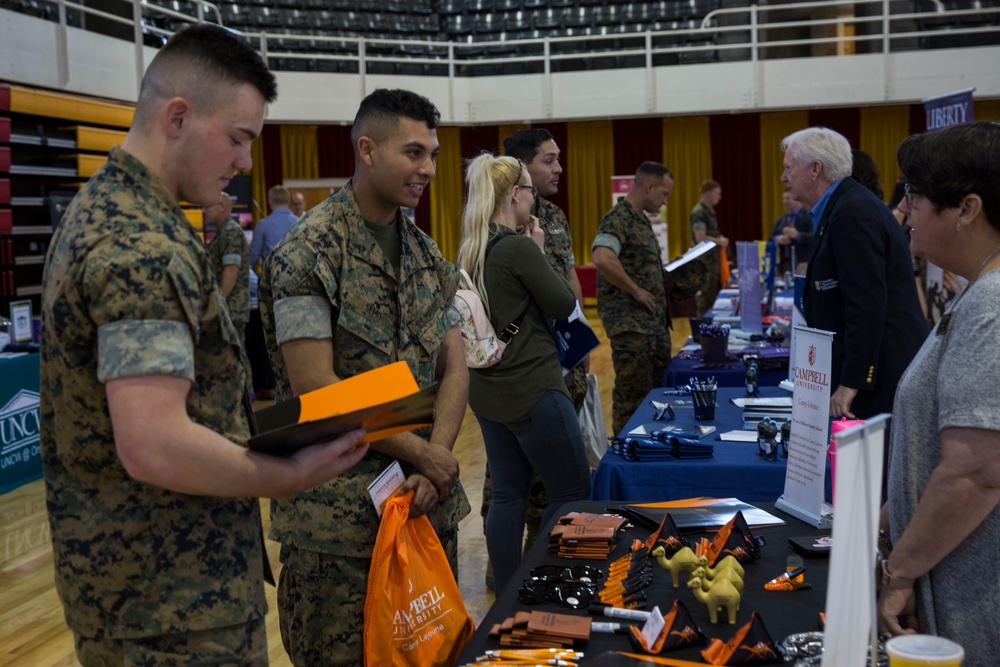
(489, 37)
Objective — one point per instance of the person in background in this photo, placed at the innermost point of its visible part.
(537, 150)
(859, 283)
(528, 422)
(919, 263)
(270, 230)
(353, 287)
(298, 204)
(792, 229)
(865, 171)
(230, 257)
(704, 212)
(150, 488)
(631, 293)
(942, 519)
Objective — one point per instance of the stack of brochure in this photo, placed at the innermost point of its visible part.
(777, 408)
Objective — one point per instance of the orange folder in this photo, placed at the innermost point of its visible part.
(384, 401)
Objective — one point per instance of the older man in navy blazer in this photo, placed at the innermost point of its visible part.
(859, 283)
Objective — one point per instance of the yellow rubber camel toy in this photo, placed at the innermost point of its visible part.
(722, 594)
(683, 561)
(728, 561)
(720, 573)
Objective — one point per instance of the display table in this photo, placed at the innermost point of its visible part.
(20, 457)
(735, 471)
(731, 374)
(783, 613)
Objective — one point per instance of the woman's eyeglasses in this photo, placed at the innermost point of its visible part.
(911, 194)
(530, 188)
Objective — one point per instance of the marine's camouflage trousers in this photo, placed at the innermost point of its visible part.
(234, 645)
(321, 604)
(640, 361)
(576, 385)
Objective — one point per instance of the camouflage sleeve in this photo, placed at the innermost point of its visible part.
(452, 318)
(608, 241)
(130, 348)
(610, 232)
(139, 335)
(305, 292)
(233, 244)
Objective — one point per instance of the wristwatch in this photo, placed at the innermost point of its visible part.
(891, 582)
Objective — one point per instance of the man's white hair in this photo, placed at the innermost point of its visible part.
(823, 145)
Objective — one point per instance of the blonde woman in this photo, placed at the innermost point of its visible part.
(527, 418)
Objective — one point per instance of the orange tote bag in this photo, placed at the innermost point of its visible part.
(414, 614)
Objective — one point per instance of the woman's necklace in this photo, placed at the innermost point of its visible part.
(945, 322)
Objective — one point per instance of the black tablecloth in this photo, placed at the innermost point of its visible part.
(783, 613)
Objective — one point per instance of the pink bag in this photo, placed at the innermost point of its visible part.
(831, 452)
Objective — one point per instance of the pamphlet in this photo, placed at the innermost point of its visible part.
(694, 253)
(386, 485)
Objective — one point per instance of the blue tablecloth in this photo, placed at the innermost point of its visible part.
(735, 471)
(20, 457)
(731, 374)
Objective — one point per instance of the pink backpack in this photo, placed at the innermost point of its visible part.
(483, 348)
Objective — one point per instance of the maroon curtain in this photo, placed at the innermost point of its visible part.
(336, 154)
(636, 141)
(735, 165)
(846, 121)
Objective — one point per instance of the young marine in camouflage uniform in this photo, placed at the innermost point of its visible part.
(150, 489)
(631, 292)
(704, 213)
(230, 256)
(355, 286)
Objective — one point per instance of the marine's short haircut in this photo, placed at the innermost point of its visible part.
(380, 112)
(709, 185)
(649, 169)
(523, 145)
(195, 61)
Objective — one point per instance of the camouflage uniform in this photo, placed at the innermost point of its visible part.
(712, 260)
(329, 278)
(640, 340)
(229, 247)
(559, 252)
(129, 291)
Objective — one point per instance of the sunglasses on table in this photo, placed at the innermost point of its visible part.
(584, 573)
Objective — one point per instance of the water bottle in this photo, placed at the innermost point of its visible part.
(751, 379)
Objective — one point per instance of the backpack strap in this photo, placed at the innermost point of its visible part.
(509, 331)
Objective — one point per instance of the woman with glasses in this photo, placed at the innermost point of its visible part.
(941, 525)
(526, 417)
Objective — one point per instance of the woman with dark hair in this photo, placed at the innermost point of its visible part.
(865, 171)
(942, 513)
(528, 421)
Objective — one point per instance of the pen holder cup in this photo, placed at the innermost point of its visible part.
(695, 323)
(704, 404)
(713, 349)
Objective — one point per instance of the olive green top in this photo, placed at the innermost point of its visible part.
(517, 274)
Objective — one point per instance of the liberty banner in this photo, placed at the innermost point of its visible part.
(805, 474)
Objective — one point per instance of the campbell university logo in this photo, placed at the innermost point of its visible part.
(812, 355)
(19, 426)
